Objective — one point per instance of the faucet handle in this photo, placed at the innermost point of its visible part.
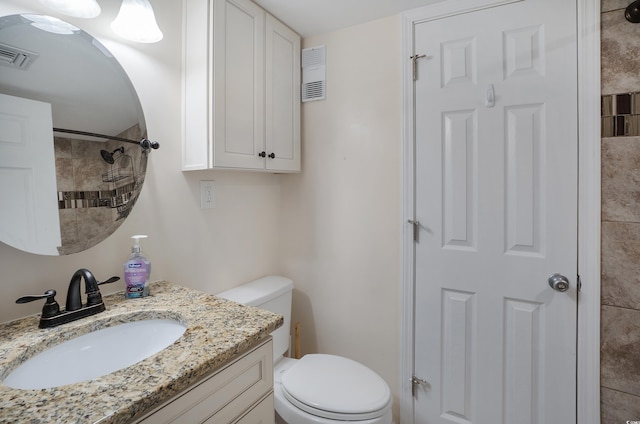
(50, 308)
(110, 280)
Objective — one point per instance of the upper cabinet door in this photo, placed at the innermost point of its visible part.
(196, 108)
(238, 84)
(282, 138)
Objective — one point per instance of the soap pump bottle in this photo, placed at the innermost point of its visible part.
(137, 271)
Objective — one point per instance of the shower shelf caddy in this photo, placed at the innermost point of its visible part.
(116, 174)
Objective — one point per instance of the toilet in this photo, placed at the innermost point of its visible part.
(318, 388)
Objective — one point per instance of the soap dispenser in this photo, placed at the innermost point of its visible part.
(137, 271)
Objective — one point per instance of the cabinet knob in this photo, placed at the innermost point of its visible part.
(272, 155)
(262, 154)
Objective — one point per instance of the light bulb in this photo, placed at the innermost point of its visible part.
(75, 8)
(136, 22)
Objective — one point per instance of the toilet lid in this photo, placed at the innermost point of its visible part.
(335, 387)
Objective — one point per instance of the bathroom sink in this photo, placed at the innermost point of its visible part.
(95, 354)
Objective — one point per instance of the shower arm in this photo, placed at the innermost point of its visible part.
(145, 143)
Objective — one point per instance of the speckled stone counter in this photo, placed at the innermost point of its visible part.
(217, 331)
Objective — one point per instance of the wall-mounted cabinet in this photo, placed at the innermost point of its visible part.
(241, 88)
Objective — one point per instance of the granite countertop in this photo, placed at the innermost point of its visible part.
(217, 330)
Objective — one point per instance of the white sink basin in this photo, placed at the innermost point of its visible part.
(95, 354)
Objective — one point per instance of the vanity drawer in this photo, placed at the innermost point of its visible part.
(262, 413)
(223, 396)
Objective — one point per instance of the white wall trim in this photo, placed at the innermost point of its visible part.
(588, 343)
(588, 349)
(408, 212)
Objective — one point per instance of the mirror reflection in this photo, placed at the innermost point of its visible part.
(71, 161)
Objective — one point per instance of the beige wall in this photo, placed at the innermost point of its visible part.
(620, 317)
(211, 250)
(334, 228)
(341, 218)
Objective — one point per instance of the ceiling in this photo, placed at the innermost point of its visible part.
(314, 17)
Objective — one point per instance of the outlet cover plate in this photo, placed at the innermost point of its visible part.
(207, 195)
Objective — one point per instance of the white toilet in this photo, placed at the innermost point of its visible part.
(317, 389)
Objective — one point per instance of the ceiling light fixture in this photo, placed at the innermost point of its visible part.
(137, 22)
(75, 8)
(51, 24)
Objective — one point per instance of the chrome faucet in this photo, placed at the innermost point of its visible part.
(74, 310)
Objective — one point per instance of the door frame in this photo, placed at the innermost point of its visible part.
(588, 102)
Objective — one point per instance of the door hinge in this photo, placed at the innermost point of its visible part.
(415, 381)
(414, 60)
(579, 280)
(416, 229)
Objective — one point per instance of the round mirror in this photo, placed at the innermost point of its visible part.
(71, 158)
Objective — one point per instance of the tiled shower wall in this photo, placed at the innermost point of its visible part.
(87, 193)
(620, 319)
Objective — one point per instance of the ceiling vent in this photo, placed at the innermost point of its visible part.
(16, 58)
(314, 73)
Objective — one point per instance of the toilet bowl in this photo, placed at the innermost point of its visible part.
(318, 388)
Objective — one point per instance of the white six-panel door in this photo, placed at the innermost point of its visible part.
(496, 199)
(29, 218)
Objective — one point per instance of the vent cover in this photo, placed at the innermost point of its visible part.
(16, 58)
(314, 73)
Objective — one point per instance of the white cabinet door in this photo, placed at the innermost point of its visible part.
(282, 138)
(196, 108)
(238, 84)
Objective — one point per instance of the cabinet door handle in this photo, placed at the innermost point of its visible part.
(272, 155)
(262, 154)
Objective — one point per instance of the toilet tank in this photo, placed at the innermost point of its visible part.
(274, 294)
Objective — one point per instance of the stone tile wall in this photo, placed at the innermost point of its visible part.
(620, 313)
(80, 170)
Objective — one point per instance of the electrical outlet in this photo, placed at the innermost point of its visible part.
(207, 195)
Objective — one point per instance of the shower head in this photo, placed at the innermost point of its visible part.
(108, 156)
(632, 12)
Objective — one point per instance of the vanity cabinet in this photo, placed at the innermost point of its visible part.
(241, 88)
(240, 392)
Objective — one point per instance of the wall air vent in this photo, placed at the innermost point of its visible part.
(16, 58)
(314, 73)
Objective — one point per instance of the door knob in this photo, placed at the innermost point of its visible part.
(559, 282)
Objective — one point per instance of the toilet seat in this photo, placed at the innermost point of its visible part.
(336, 388)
